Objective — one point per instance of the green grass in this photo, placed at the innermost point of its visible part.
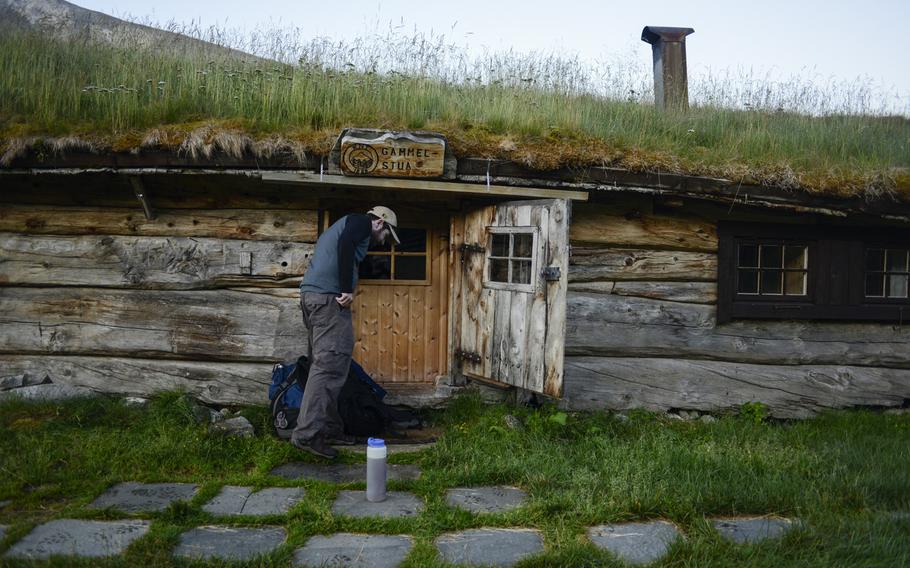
(837, 474)
(543, 111)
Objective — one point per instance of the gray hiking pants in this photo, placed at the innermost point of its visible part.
(331, 345)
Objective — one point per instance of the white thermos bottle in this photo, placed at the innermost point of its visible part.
(376, 470)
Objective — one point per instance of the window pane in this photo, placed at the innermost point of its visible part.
(875, 259)
(410, 268)
(897, 285)
(386, 247)
(748, 282)
(499, 270)
(500, 245)
(897, 260)
(770, 279)
(875, 284)
(795, 283)
(521, 271)
(748, 256)
(412, 240)
(522, 245)
(770, 256)
(377, 267)
(795, 257)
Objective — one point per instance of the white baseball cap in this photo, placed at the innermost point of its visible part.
(389, 217)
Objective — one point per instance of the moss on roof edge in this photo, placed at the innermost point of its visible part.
(201, 141)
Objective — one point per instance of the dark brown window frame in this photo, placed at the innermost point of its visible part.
(836, 277)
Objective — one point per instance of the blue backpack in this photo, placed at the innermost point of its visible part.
(360, 402)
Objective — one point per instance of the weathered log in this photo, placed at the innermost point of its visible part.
(610, 325)
(221, 383)
(248, 224)
(165, 191)
(588, 264)
(149, 262)
(604, 224)
(219, 324)
(801, 391)
(690, 292)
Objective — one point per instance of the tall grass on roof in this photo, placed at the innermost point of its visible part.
(544, 110)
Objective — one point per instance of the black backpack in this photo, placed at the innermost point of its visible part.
(360, 403)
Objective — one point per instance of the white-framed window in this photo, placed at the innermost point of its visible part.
(511, 262)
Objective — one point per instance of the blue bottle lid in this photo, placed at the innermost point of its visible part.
(375, 442)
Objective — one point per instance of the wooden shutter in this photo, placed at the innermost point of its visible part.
(512, 326)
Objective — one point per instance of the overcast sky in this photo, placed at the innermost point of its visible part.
(836, 39)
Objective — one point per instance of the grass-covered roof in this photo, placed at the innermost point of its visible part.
(72, 94)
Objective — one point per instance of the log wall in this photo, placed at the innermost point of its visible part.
(201, 298)
(642, 331)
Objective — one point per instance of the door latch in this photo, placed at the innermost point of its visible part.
(551, 273)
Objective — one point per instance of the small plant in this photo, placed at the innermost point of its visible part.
(754, 411)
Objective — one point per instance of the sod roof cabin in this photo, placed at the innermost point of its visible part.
(168, 256)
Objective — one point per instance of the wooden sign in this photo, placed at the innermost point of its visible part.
(393, 154)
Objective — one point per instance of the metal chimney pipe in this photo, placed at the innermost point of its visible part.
(668, 45)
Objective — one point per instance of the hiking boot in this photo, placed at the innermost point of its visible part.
(317, 446)
(341, 439)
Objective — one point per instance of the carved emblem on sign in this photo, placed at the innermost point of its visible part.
(392, 154)
(359, 159)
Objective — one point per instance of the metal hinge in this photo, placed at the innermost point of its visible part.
(467, 356)
(466, 248)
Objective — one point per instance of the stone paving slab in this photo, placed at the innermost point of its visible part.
(354, 550)
(489, 547)
(229, 543)
(635, 543)
(496, 499)
(742, 531)
(234, 500)
(131, 497)
(70, 537)
(397, 504)
(343, 473)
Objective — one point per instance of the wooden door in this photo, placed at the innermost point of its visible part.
(401, 325)
(515, 260)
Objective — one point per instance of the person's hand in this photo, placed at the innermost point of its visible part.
(345, 299)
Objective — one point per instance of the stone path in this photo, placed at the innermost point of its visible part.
(133, 497)
(486, 499)
(354, 550)
(342, 473)
(234, 500)
(397, 504)
(746, 531)
(229, 543)
(635, 543)
(78, 538)
(485, 547)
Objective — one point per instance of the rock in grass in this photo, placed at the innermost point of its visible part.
(22, 380)
(49, 392)
(513, 422)
(237, 426)
(135, 401)
(708, 419)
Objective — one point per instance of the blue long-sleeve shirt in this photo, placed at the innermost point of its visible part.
(339, 251)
